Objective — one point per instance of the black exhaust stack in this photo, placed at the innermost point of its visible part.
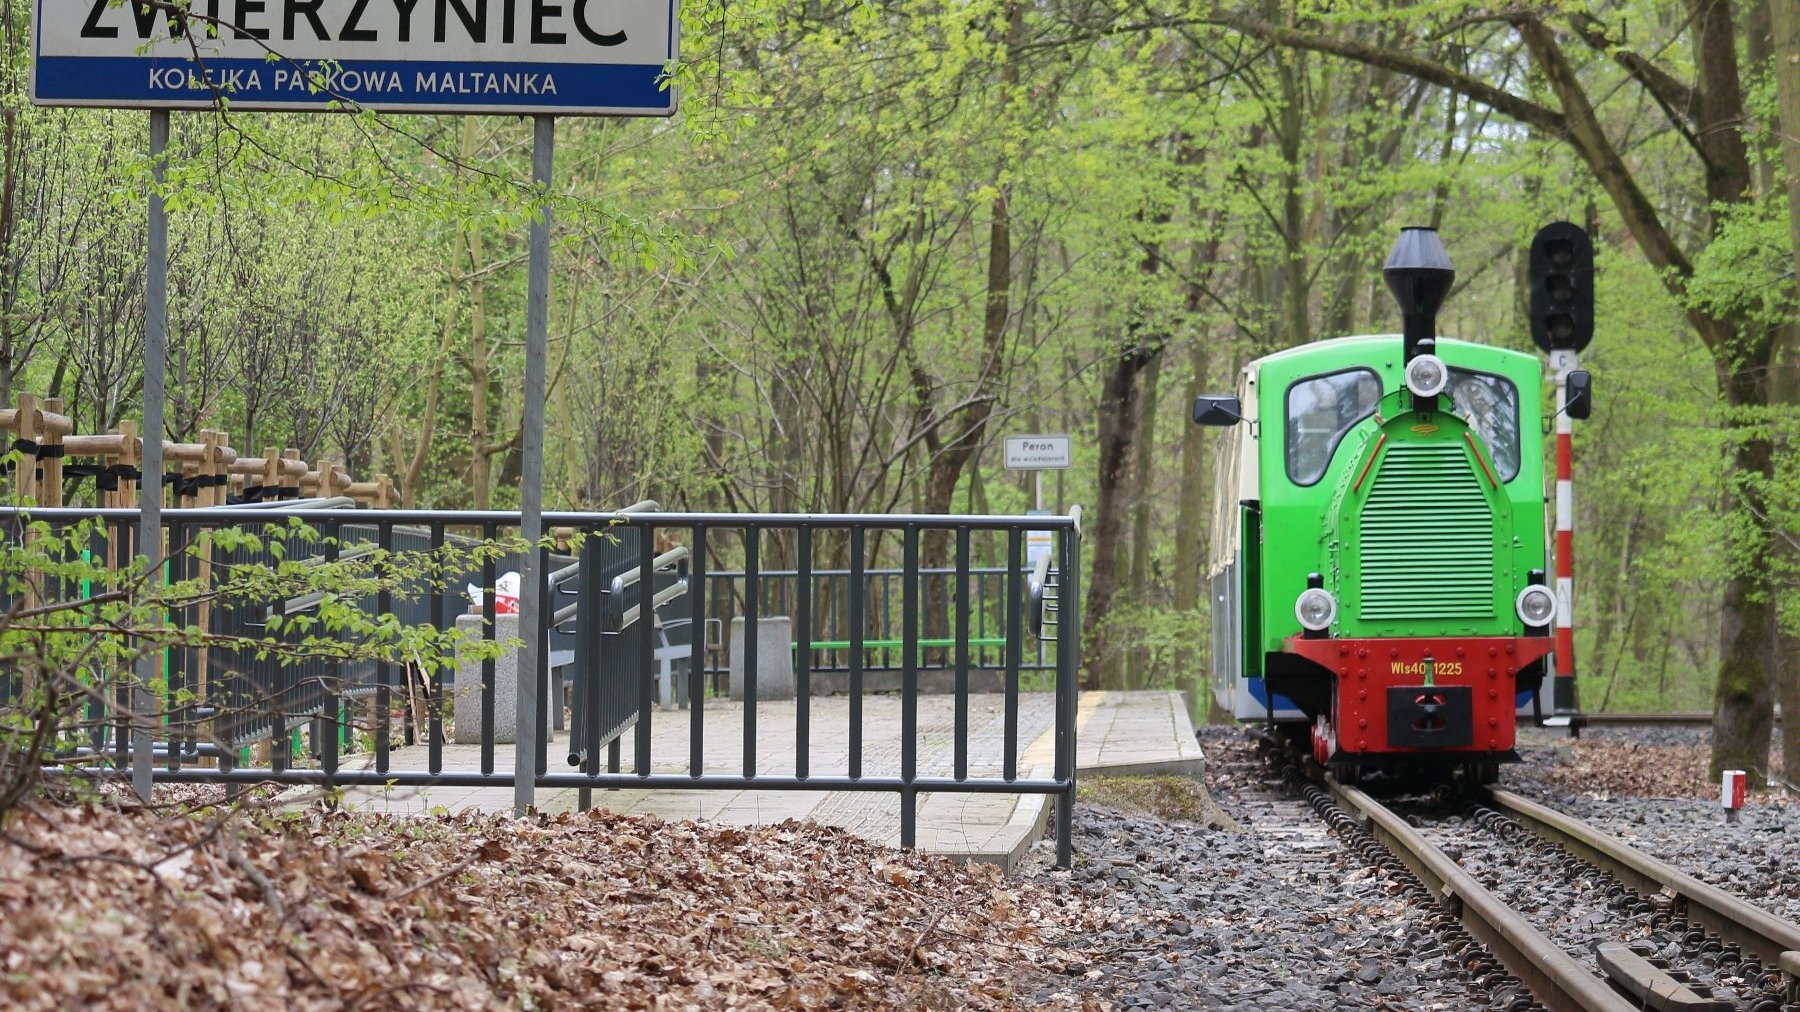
(1419, 274)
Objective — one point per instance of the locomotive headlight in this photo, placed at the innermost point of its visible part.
(1315, 609)
(1427, 375)
(1535, 606)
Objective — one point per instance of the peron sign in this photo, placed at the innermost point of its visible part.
(1039, 453)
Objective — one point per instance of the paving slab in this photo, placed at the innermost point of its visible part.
(1117, 733)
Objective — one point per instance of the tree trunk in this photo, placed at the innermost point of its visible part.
(968, 427)
(1784, 25)
(1296, 321)
(1143, 487)
(481, 433)
(1118, 423)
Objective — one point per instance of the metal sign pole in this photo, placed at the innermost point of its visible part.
(149, 535)
(1562, 695)
(531, 479)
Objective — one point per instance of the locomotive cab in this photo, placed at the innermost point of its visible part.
(1378, 548)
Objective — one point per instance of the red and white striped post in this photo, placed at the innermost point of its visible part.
(1562, 696)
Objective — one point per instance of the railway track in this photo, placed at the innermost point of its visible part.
(1559, 915)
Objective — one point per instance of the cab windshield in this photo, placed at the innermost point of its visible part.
(1490, 404)
(1320, 409)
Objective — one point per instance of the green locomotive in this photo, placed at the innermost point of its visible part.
(1378, 548)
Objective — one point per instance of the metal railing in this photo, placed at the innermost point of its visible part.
(881, 589)
(618, 574)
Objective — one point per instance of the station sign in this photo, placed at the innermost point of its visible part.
(1039, 453)
(527, 57)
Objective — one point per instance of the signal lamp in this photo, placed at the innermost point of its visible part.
(1535, 605)
(1426, 376)
(1315, 608)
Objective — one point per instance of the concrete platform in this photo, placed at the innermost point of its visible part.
(1118, 733)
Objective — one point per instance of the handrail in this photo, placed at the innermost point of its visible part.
(631, 576)
(504, 518)
(339, 502)
(657, 600)
(1040, 579)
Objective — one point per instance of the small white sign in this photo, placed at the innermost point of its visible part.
(1039, 453)
(1037, 545)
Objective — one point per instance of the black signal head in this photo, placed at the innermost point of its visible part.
(1562, 288)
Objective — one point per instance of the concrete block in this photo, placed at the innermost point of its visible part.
(774, 658)
(467, 708)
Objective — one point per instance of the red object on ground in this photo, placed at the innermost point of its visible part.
(1484, 666)
(1731, 789)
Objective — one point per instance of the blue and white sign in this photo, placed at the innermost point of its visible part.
(562, 57)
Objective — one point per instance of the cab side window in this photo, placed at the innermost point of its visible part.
(1320, 409)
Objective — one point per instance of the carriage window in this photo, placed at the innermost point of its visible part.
(1319, 411)
(1490, 404)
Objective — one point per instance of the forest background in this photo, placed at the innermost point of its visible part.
(883, 236)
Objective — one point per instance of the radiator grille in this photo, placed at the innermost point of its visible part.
(1427, 537)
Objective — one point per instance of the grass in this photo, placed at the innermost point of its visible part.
(1176, 799)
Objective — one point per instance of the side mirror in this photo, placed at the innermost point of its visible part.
(1217, 410)
(1578, 394)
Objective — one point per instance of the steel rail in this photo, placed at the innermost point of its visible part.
(1770, 939)
(1558, 981)
(1694, 718)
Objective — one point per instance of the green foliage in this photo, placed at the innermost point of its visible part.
(77, 629)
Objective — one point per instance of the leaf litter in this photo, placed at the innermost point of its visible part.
(102, 908)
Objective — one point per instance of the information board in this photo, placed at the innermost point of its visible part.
(1039, 453)
(561, 57)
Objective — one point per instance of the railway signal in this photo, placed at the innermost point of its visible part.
(1562, 324)
(1562, 288)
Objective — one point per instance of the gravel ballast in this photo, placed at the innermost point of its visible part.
(1268, 912)
(1259, 906)
(1680, 821)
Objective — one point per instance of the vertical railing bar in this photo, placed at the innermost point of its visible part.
(590, 627)
(802, 655)
(1068, 687)
(122, 686)
(175, 662)
(384, 603)
(1015, 629)
(328, 749)
(857, 547)
(279, 756)
(697, 656)
(646, 643)
(909, 685)
(96, 726)
(489, 533)
(886, 633)
(435, 697)
(549, 694)
(961, 771)
(582, 752)
(752, 615)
